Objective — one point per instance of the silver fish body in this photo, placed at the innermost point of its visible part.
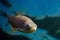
(23, 23)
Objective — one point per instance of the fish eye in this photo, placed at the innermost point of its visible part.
(27, 26)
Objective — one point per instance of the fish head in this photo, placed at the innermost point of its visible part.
(30, 28)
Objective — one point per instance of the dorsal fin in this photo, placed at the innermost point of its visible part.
(16, 13)
(21, 12)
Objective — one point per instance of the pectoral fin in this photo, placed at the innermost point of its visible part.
(19, 29)
(13, 29)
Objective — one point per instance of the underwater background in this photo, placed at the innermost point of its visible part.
(45, 13)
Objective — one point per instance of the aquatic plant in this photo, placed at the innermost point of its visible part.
(3, 14)
(5, 3)
(5, 36)
(51, 24)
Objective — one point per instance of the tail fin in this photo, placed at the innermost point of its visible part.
(3, 14)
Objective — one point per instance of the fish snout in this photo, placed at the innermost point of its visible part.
(31, 30)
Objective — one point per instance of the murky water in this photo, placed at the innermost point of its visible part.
(39, 8)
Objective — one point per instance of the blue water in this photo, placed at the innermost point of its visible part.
(38, 8)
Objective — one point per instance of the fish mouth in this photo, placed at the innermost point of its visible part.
(31, 30)
(28, 30)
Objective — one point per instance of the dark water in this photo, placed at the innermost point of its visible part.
(48, 27)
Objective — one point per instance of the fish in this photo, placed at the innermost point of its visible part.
(21, 23)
